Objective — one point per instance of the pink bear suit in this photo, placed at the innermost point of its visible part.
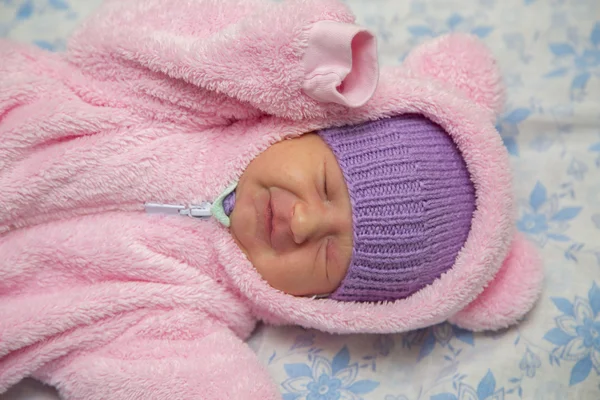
(169, 102)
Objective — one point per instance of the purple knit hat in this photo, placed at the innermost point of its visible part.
(412, 204)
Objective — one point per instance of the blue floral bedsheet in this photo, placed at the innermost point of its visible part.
(549, 51)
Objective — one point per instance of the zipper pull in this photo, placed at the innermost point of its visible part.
(197, 211)
(163, 209)
(193, 211)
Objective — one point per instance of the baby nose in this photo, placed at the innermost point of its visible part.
(306, 223)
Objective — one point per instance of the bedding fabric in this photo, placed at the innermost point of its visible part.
(549, 52)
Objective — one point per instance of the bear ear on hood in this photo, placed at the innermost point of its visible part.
(462, 62)
(510, 295)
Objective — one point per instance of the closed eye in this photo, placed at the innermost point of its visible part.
(325, 191)
(325, 251)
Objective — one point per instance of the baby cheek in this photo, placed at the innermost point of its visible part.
(295, 271)
(294, 274)
(275, 271)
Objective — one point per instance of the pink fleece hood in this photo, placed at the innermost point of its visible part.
(454, 81)
(168, 103)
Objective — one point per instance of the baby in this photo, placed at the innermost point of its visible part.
(396, 191)
(188, 169)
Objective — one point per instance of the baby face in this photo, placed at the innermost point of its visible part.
(293, 217)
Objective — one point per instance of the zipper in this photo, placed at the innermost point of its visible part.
(204, 210)
(198, 211)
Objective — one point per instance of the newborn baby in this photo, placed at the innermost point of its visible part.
(187, 169)
(400, 195)
(293, 209)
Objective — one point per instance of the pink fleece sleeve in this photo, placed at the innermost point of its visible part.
(295, 59)
(340, 64)
(156, 361)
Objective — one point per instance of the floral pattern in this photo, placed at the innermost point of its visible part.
(486, 390)
(530, 363)
(583, 61)
(441, 334)
(454, 23)
(543, 217)
(577, 333)
(508, 127)
(326, 380)
(549, 54)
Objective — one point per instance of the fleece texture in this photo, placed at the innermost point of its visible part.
(149, 101)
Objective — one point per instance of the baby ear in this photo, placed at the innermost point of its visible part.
(461, 62)
(510, 295)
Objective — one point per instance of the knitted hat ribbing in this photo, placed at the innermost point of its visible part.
(412, 204)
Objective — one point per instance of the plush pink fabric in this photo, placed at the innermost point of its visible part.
(515, 287)
(469, 54)
(149, 102)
